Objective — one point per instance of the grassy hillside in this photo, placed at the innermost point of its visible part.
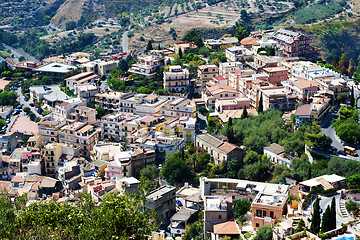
(336, 37)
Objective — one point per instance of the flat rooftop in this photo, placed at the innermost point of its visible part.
(55, 67)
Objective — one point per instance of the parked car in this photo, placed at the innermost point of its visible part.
(26, 99)
(19, 107)
(332, 149)
(341, 152)
(31, 104)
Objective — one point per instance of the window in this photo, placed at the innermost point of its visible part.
(219, 216)
(258, 213)
(257, 225)
(272, 214)
(264, 213)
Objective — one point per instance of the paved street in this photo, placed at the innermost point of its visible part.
(18, 53)
(27, 104)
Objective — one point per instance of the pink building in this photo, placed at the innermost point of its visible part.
(114, 169)
(276, 75)
(232, 104)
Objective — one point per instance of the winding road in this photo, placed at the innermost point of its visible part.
(125, 41)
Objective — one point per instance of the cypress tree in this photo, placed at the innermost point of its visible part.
(149, 46)
(352, 98)
(180, 53)
(260, 106)
(333, 214)
(244, 113)
(326, 220)
(230, 131)
(309, 173)
(316, 220)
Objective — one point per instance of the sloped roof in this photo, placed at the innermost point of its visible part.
(275, 148)
(227, 147)
(210, 139)
(226, 228)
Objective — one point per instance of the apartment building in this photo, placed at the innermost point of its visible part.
(82, 114)
(176, 79)
(303, 89)
(293, 43)
(117, 126)
(249, 42)
(50, 155)
(314, 111)
(87, 92)
(164, 144)
(81, 78)
(278, 98)
(238, 54)
(219, 149)
(221, 92)
(216, 44)
(79, 134)
(262, 61)
(181, 127)
(100, 67)
(162, 200)
(276, 75)
(117, 101)
(228, 67)
(231, 104)
(268, 208)
(237, 82)
(180, 107)
(206, 73)
(150, 104)
(49, 127)
(147, 65)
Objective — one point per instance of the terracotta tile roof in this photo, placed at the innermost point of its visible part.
(226, 228)
(5, 185)
(303, 110)
(306, 83)
(275, 69)
(227, 147)
(249, 41)
(17, 179)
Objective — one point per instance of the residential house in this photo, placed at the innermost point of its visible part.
(277, 98)
(238, 54)
(241, 80)
(181, 127)
(117, 101)
(206, 73)
(262, 61)
(100, 67)
(79, 134)
(164, 145)
(218, 92)
(276, 75)
(81, 78)
(216, 44)
(303, 89)
(82, 114)
(231, 104)
(277, 154)
(147, 65)
(99, 188)
(176, 79)
(150, 104)
(184, 46)
(314, 111)
(217, 209)
(249, 42)
(180, 107)
(49, 127)
(325, 182)
(26, 66)
(87, 92)
(228, 67)
(180, 220)
(162, 200)
(219, 150)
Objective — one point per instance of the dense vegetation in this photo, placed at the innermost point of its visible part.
(86, 220)
(347, 126)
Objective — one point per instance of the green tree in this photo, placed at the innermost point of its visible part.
(193, 35)
(333, 214)
(180, 53)
(326, 220)
(251, 157)
(123, 65)
(351, 68)
(244, 113)
(70, 25)
(344, 64)
(242, 206)
(230, 131)
(316, 219)
(353, 182)
(195, 231)
(301, 226)
(241, 33)
(264, 233)
(204, 51)
(149, 46)
(260, 106)
(150, 171)
(175, 170)
(22, 58)
(352, 97)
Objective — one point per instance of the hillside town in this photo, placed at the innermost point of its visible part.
(80, 126)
